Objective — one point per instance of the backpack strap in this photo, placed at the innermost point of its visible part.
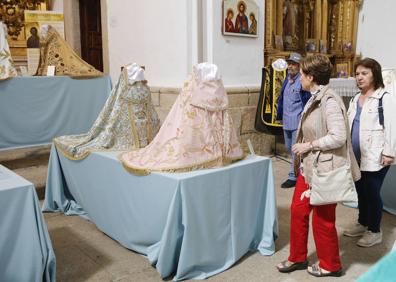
(381, 110)
(353, 98)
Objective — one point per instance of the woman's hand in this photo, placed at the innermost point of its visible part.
(301, 148)
(385, 160)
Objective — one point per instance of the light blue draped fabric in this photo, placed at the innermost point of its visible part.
(383, 271)
(34, 110)
(388, 191)
(26, 252)
(192, 225)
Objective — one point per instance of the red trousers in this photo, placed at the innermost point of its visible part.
(323, 227)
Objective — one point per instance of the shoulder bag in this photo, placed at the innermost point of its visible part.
(333, 186)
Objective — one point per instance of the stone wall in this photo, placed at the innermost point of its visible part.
(242, 108)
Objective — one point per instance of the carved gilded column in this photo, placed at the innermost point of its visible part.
(273, 17)
(269, 26)
(347, 17)
(325, 26)
(357, 4)
(339, 25)
(279, 17)
(307, 18)
(318, 17)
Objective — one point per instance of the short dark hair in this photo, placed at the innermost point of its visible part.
(318, 66)
(375, 68)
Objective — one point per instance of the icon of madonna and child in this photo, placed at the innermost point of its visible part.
(240, 18)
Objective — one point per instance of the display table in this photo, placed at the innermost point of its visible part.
(26, 252)
(345, 87)
(382, 271)
(34, 110)
(388, 191)
(192, 225)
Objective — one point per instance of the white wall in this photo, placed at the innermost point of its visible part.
(240, 59)
(152, 33)
(167, 37)
(376, 31)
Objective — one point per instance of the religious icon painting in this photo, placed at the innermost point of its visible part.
(311, 45)
(323, 46)
(240, 18)
(347, 47)
(278, 42)
(342, 70)
(32, 35)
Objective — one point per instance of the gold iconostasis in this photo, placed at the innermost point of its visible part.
(12, 13)
(313, 26)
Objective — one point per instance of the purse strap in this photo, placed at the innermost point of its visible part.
(381, 110)
(322, 107)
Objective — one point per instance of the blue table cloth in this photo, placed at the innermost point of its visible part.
(34, 110)
(192, 225)
(26, 252)
(388, 191)
(382, 271)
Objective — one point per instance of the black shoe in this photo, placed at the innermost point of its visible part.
(285, 267)
(288, 184)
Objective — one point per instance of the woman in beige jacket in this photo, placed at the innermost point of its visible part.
(374, 145)
(323, 128)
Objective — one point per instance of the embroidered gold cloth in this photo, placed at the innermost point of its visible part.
(54, 51)
(128, 120)
(197, 133)
(266, 120)
(6, 65)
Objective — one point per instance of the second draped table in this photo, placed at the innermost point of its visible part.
(34, 110)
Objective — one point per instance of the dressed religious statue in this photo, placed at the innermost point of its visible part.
(55, 51)
(127, 121)
(289, 18)
(197, 133)
(6, 65)
(389, 77)
(290, 29)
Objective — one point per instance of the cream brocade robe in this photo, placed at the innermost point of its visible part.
(128, 120)
(55, 51)
(7, 69)
(197, 133)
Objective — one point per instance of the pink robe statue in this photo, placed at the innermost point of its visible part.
(197, 133)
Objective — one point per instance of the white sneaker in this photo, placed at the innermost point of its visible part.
(370, 239)
(355, 231)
